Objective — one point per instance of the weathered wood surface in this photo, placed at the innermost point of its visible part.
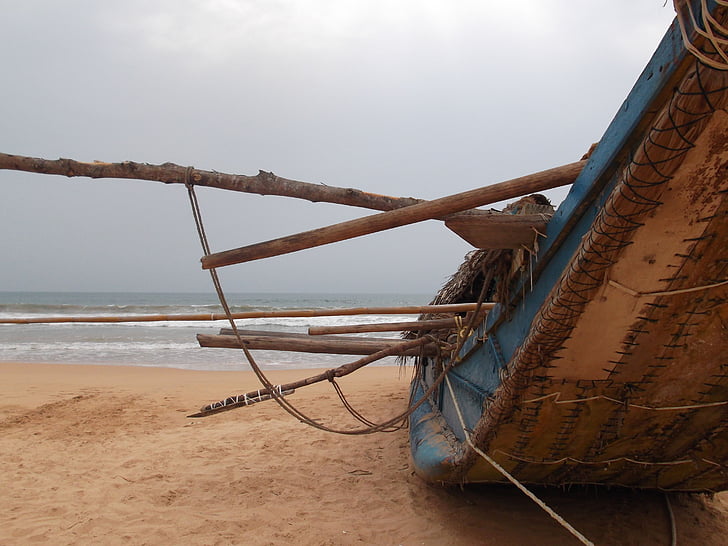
(303, 343)
(341, 371)
(415, 325)
(503, 231)
(552, 178)
(296, 335)
(264, 183)
(291, 313)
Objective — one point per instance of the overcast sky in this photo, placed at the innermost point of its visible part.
(417, 98)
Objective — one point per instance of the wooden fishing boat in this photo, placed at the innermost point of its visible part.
(586, 345)
(605, 360)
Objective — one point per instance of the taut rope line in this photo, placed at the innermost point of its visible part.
(394, 423)
(565, 524)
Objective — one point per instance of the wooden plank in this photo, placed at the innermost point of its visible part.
(309, 344)
(502, 231)
(552, 178)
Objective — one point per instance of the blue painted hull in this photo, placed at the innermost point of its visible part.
(580, 377)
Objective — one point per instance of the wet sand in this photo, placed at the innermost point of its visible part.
(106, 455)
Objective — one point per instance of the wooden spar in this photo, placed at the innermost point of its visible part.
(293, 313)
(303, 343)
(552, 178)
(341, 371)
(417, 325)
(264, 183)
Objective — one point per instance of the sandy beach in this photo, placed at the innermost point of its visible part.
(106, 455)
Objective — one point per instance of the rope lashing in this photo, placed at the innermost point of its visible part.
(241, 400)
(637, 294)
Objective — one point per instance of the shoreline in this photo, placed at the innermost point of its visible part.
(106, 454)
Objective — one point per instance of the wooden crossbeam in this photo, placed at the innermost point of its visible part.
(415, 325)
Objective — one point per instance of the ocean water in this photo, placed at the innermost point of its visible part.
(170, 343)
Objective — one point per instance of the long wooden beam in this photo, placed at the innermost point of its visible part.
(292, 313)
(551, 178)
(239, 400)
(415, 325)
(303, 343)
(264, 183)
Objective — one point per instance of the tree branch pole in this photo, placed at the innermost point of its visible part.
(239, 400)
(264, 183)
(293, 313)
(437, 208)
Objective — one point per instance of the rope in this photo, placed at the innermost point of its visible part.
(636, 294)
(556, 395)
(561, 521)
(392, 424)
(607, 461)
(671, 515)
(686, 17)
(240, 400)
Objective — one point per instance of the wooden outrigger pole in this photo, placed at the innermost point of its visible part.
(291, 313)
(237, 401)
(304, 343)
(415, 325)
(264, 183)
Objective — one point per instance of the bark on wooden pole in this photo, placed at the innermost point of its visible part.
(303, 343)
(552, 178)
(264, 183)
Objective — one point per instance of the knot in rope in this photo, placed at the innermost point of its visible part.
(188, 177)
